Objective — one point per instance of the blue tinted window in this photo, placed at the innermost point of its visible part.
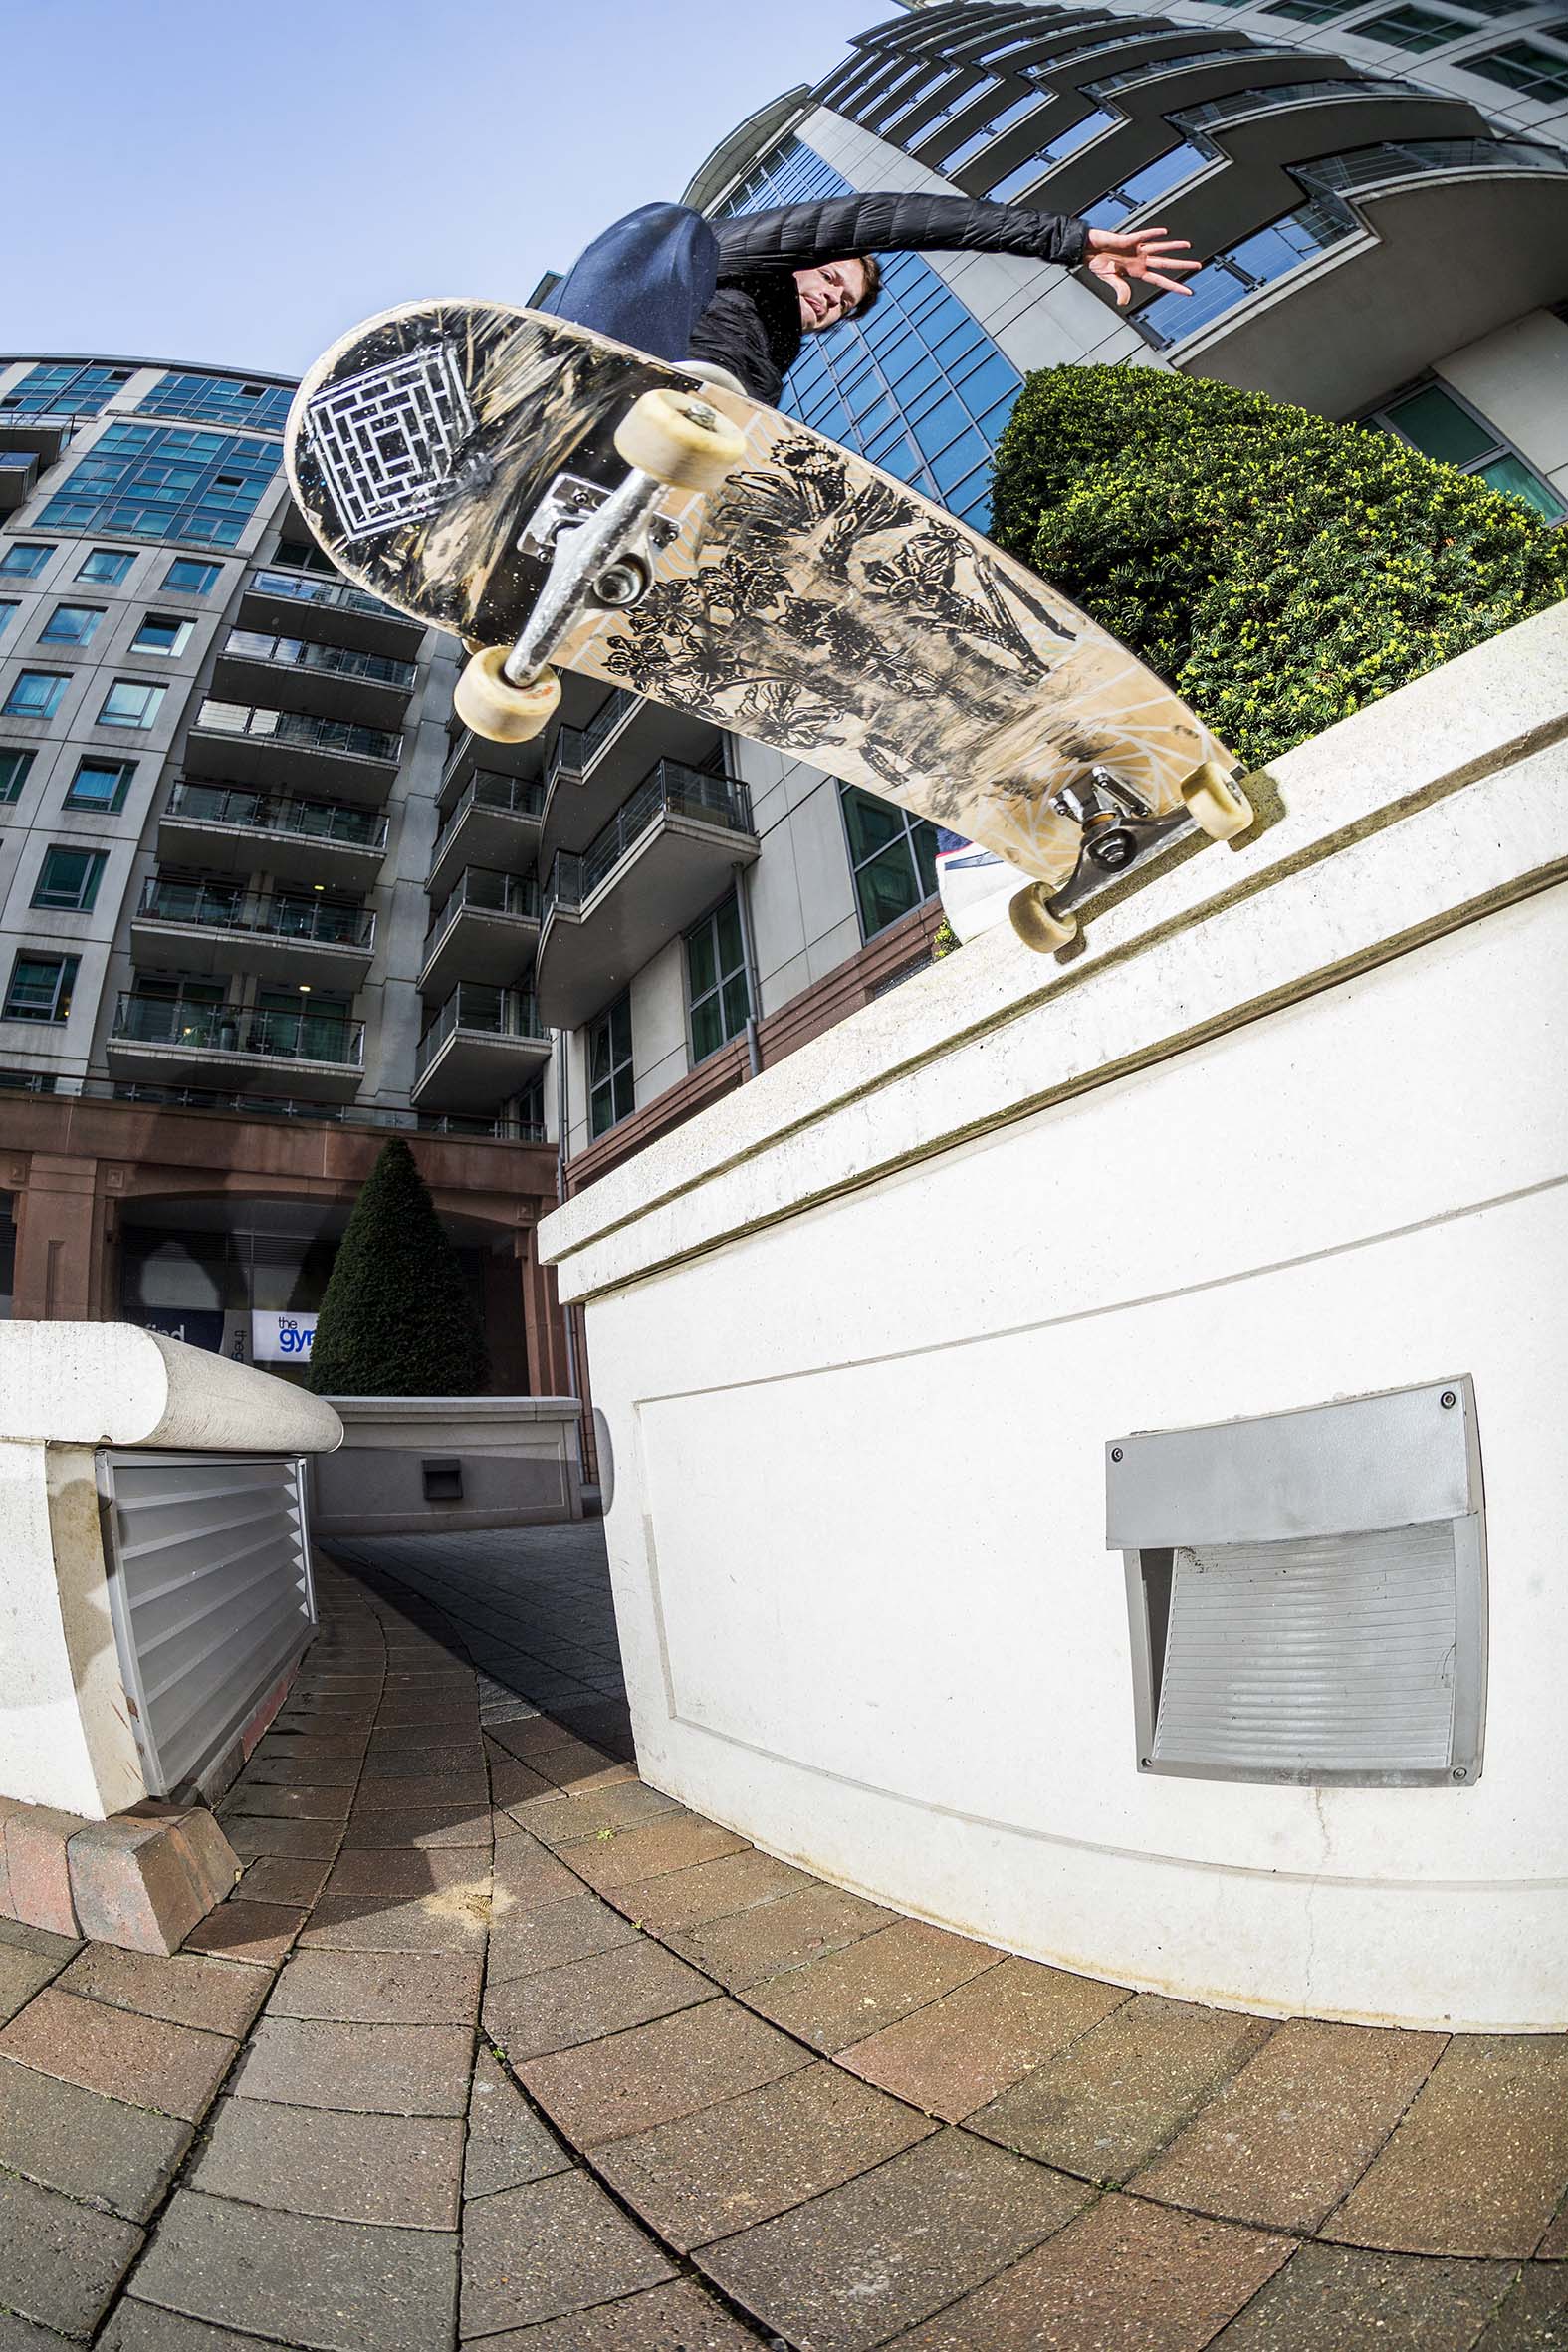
(219, 399)
(158, 482)
(67, 389)
(1237, 271)
(188, 578)
(105, 564)
(99, 783)
(35, 694)
(71, 624)
(22, 560)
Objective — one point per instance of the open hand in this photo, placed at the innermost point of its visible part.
(1149, 254)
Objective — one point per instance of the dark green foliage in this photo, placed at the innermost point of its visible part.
(1279, 570)
(397, 1318)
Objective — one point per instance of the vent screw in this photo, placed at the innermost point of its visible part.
(1460, 1774)
(1116, 1453)
(1448, 1400)
(1144, 1765)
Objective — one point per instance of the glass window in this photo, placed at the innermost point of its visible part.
(99, 783)
(219, 399)
(105, 564)
(71, 624)
(129, 703)
(1440, 425)
(163, 482)
(13, 772)
(64, 390)
(186, 577)
(68, 880)
(893, 856)
(1416, 29)
(716, 980)
(24, 559)
(163, 633)
(35, 694)
(610, 1091)
(1525, 66)
(8, 611)
(40, 988)
(1312, 12)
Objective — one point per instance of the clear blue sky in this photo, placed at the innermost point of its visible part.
(238, 183)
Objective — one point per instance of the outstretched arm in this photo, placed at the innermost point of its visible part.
(793, 236)
(1147, 255)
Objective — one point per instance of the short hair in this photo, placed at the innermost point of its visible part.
(873, 274)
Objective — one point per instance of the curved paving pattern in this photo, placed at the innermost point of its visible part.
(496, 2045)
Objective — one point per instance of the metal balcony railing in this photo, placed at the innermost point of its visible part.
(507, 1127)
(577, 748)
(480, 887)
(316, 821)
(1397, 159)
(329, 735)
(493, 1012)
(213, 907)
(1183, 61)
(231, 1028)
(670, 790)
(1289, 93)
(310, 588)
(380, 669)
(509, 794)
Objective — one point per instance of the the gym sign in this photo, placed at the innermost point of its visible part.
(281, 1338)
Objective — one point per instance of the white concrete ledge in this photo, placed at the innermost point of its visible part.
(110, 1384)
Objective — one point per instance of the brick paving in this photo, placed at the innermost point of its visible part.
(494, 2046)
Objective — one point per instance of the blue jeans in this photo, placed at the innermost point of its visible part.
(646, 281)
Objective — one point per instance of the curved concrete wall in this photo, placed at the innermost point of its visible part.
(1289, 1127)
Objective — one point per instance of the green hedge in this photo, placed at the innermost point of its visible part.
(1279, 570)
(397, 1318)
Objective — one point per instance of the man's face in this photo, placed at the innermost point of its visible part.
(828, 294)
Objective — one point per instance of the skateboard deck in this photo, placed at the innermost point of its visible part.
(811, 601)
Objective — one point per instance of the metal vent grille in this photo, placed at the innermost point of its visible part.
(210, 1589)
(1313, 1656)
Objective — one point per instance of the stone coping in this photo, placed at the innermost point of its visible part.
(113, 1384)
(450, 1409)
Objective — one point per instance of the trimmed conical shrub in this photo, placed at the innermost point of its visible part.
(397, 1318)
(1280, 570)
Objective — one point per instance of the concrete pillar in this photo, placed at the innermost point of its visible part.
(59, 1241)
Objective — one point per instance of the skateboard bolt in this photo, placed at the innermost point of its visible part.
(1448, 1400)
(1460, 1774)
(620, 584)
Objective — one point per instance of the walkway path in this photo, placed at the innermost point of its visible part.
(495, 2044)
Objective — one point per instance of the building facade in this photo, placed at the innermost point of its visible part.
(235, 949)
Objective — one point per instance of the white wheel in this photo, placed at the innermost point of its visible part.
(1030, 916)
(680, 440)
(490, 705)
(1214, 802)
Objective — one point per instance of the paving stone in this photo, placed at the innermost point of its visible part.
(506, 2142)
(1283, 2140)
(764, 1938)
(60, 2261)
(656, 2072)
(303, 1772)
(586, 1999)
(960, 2051)
(22, 1973)
(1328, 2295)
(395, 2169)
(407, 1792)
(172, 2068)
(524, 1942)
(1554, 2246)
(277, 1878)
(1479, 2165)
(260, 1932)
(143, 2327)
(283, 1803)
(557, 1820)
(670, 1843)
(708, 1891)
(678, 2318)
(529, 1876)
(405, 1754)
(20, 2335)
(145, 1878)
(181, 1987)
(38, 1868)
(449, 1919)
(359, 2069)
(337, 2286)
(573, 1763)
(378, 1989)
(746, 2159)
(1123, 2277)
(1120, 2092)
(859, 2264)
(18, 1936)
(286, 1745)
(1534, 2315)
(308, 1841)
(92, 2148)
(422, 1826)
(850, 1994)
(552, 2246)
(392, 1870)
(512, 1782)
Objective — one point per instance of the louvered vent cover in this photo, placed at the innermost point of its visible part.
(210, 1589)
(1279, 1633)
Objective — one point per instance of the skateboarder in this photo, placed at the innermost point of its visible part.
(742, 293)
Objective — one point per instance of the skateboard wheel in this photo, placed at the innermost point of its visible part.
(679, 439)
(1215, 805)
(1030, 916)
(490, 705)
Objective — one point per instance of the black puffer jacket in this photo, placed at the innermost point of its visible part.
(753, 323)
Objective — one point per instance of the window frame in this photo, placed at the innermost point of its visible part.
(48, 635)
(56, 900)
(214, 573)
(59, 679)
(11, 784)
(66, 968)
(617, 1070)
(183, 624)
(72, 798)
(152, 686)
(1381, 419)
(122, 557)
(723, 981)
(911, 823)
(42, 549)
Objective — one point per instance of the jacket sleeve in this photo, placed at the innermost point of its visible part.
(793, 236)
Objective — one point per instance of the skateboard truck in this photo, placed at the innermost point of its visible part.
(600, 545)
(1119, 830)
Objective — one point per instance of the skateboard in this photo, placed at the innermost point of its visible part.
(560, 500)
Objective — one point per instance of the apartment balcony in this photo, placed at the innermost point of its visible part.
(663, 858)
(471, 755)
(19, 470)
(482, 1048)
(42, 437)
(284, 748)
(208, 928)
(487, 931)
(590, 770)
(321, 844)
(279, 598)
(495, 821)
(328, 681)
(315, 1056)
